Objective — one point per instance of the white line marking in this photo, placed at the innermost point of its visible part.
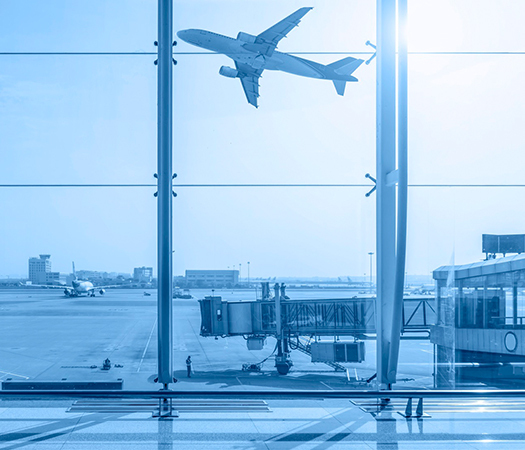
(329, 387)
(14, 374)
(147, 345)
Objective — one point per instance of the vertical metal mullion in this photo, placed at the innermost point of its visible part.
(385, 164)
(402, 188)
(164, 160)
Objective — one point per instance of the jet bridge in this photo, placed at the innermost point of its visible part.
(354, 317)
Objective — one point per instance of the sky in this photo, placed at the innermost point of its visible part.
(92, 119)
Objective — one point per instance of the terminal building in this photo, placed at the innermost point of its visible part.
(40, 271)
(143, 274)
(480, 331)
(212, 278)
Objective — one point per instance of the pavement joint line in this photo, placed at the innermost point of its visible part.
(14, 374)
(147, 345)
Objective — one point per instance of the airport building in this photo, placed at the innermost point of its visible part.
(143, 274)
(40, 270)
(212, 278)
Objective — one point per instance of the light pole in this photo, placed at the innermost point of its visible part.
(248, 274)
(240, 272)
(370, 254)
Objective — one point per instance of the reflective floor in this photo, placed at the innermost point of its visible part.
(309, 424)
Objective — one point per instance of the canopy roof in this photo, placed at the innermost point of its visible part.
(490, 267)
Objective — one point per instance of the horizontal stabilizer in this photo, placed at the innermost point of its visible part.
(346, 66)
(340, 86)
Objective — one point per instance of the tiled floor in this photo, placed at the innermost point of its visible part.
(290, 424)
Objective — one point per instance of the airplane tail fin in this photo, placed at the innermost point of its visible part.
(345, 68)
(74, 272)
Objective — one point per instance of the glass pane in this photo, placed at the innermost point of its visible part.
(78, 119)
(468, 25)
(64, 26)
(52, 334)
(465, 119)
(477, 301)
(300, 237)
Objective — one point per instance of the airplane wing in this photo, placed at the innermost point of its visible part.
(250, 81)
(50, 286)
(274, 34)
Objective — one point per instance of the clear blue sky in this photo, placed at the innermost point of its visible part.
(92, 119)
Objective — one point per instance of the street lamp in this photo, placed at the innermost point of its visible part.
(248, 273)
(370, 254)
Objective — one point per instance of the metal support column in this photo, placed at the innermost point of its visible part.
(402, 186)
(278, 328)
(386, 178)
(164, 226)
(515, 303)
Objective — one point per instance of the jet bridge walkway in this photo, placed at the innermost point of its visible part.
(315, 319)
(325, 317)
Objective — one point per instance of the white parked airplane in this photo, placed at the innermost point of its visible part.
(253, 54)
(79, 287)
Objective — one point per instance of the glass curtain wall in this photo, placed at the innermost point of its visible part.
(265, 196)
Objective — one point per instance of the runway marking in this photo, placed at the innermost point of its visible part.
(329, 387)
(14, 374)
(147, 345)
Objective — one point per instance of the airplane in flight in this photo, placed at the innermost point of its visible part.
(78, 287)
(253, 54)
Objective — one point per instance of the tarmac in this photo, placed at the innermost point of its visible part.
(47, 336)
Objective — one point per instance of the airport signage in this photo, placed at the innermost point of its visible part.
(503, 243)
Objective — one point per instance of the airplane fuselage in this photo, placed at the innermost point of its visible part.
(237, 50)
(81, 288)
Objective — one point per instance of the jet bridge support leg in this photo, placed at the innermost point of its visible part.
(283, 361)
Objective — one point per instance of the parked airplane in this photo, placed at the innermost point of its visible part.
(79, 287)
(253, 54)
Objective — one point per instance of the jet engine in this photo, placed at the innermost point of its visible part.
(102, 291)
(226, 71)
(67, 292)
(245, 37)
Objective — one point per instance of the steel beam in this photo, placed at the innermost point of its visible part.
(277, 393)
(164, 159)
(385, 169)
